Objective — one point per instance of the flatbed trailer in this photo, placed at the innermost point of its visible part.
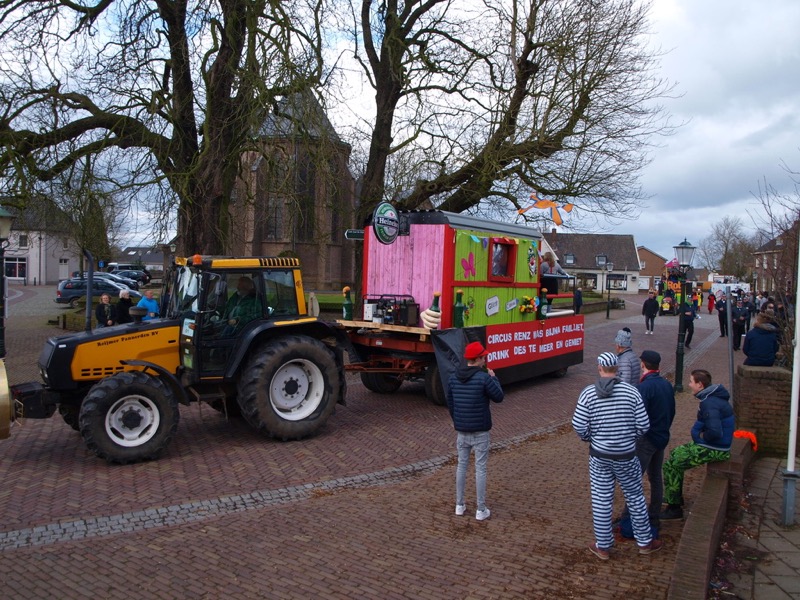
(486, 277)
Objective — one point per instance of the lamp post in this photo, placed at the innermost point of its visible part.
(684, 252)
(609, 268)
(6, 220)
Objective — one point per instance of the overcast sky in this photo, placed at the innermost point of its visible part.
(736, 65)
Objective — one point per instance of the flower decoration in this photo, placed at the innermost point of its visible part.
(528, 304)
(469, 305)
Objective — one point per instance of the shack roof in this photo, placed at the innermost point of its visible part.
(458, 221)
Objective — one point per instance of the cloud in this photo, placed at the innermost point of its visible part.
(735, 65)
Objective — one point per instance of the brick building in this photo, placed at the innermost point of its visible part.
(296, 196)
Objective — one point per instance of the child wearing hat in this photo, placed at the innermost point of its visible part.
(469, 393)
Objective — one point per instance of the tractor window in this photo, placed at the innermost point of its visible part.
(236, 300)
(217, 293)
(280, 292)
(182, 295)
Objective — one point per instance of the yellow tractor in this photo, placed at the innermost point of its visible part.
(233, 332)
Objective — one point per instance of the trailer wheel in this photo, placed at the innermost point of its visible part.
(559, 373)
(381, 383)
(289, 387)
(71, 415)
(434, 389)
(129, 417)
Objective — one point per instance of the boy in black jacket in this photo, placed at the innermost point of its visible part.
(468, 395)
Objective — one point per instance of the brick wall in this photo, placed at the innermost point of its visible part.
(762, 403)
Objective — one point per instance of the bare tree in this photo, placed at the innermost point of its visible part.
(728, 248)
(180, 86)
(474, 101)
(494, 99)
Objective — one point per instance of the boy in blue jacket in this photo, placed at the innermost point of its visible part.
(712, 435)
(470, 390)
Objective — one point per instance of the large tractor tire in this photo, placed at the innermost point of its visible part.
(129, 417)
(289, 387)
(434, 389)
(381, 383)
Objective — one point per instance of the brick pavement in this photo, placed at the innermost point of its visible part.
(364, 509)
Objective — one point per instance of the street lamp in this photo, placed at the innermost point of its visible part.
(609, 268)
(684, 252)
(6, 220)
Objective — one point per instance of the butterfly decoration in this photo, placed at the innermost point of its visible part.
(469, 266)
(554, 207)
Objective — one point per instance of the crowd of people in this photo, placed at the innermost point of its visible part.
(625, 417)
(108, 314)
(755, 321)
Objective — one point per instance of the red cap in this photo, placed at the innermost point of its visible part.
(474, 350)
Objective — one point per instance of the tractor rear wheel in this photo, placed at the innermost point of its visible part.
(289, 387)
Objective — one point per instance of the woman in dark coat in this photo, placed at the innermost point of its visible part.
(123, 307)
(106, 313)
(761, 342)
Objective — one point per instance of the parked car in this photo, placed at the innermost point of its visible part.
(70, 291)
(126, 281)
(136, 274)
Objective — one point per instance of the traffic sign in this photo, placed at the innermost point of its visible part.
(354, 234)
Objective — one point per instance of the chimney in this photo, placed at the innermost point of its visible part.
(553, 231)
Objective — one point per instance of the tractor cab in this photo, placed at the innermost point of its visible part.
(226, 303)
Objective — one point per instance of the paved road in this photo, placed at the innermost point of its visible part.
(362, 510)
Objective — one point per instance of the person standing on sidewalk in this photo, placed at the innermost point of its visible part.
(578, 300)
(469, 392)
(658, 396)
(722, 315)
(124, 307)
(150, 304)
(712, 301)
(712, 435)
(610, 415)
(105, 312)
(630, 369)
(688, 314)
(650, 311)
(738, 322)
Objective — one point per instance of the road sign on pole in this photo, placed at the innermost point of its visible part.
(354, 234)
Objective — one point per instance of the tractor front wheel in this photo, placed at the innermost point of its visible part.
(129, 417)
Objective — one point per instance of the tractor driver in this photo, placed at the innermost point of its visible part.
(242, 307)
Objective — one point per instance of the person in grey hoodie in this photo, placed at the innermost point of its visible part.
(611, 416)
(630, 368)
(470, 389)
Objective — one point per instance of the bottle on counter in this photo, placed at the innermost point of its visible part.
(458, 309)
(347, 305)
